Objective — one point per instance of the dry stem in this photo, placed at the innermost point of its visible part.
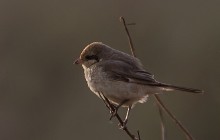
(128, 35)
(112, 108)
(158, 100)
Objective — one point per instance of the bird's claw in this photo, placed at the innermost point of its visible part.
(123, 125)
(113, 113)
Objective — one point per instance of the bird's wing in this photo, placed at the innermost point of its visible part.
(127, 72)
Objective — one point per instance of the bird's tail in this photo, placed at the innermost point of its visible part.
(168, 87)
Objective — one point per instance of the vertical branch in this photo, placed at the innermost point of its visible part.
(158, 100)
(128, 35)
(162, 123)
(163, 132)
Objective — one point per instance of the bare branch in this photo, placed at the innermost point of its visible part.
(111, 108)
(139, 136)
(158, 100)
(178, 123)
(133, 53)
(128, 35)
(162, 123)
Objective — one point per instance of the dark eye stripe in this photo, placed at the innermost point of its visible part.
(92, 57)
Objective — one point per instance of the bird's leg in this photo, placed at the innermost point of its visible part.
(114, 112)
(127, 115)
(126, 118)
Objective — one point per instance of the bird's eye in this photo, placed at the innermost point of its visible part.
(92, 57)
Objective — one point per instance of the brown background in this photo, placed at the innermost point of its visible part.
(43, 96)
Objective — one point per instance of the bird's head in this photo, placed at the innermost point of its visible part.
(93, 53)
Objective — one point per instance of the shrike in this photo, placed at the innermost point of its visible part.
(120, 77)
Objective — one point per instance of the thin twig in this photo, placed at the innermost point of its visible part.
(160, 103)
(128, 35)
(162, 123)
(139, 136)
(133, 53)
(111, 108)
(178, 123)
(104, 101)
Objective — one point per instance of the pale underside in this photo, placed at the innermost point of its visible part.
(117, 90)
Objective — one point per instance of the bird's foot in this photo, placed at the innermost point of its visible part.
(113, 112)
(123, 125)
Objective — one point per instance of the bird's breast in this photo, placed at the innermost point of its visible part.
(95, 78)
(116, 91)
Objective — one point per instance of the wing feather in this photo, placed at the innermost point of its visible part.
(128, 72)
(119, 70)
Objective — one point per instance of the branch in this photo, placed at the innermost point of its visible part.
(163, 132)
(158, 100)
(128, 35)
(178, 123)
(112, 108)
(162, 123)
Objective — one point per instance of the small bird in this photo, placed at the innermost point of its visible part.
(120, 77)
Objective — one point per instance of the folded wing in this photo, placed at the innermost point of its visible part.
(127, 72)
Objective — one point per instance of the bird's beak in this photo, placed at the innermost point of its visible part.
(78, 61)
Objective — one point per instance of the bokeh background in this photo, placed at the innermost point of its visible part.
(43, 96)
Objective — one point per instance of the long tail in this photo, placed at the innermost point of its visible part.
(172, 87)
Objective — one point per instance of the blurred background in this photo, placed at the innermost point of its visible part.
(43, 96)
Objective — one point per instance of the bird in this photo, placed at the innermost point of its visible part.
(120, 77)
